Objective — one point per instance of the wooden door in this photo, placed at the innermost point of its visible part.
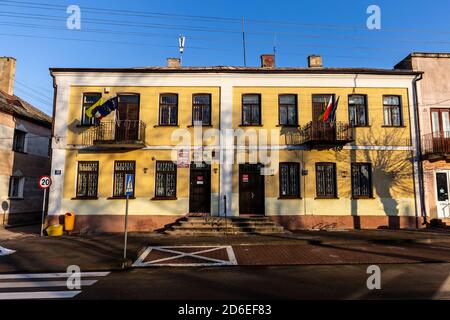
(322, 130)
(200, 188)
(127, 122)
(251, 190)
(440, 125)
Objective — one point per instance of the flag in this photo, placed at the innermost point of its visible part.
(332, 114)
(89, 110)
(106, 108)
(327, 110)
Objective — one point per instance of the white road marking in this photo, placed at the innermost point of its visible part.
(33, 281)
(444, 291)
(40, 284)
(5, 251)
(206, 261)
(49, 275)
(38, 295)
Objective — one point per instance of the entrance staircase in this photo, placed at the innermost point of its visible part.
(217, 226)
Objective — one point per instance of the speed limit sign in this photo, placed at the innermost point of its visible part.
(45, 182)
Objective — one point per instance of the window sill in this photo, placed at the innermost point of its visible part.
(163, 198)
(203, 125)
(251, 125)
(165, 125)
(18, 198)
(362, 198)
(385, 126)
(290, 198)
(368, 126)
(120, 198)
(22, 152)
(84, 198)
(86, 125)
(288, 125)
(326, 198)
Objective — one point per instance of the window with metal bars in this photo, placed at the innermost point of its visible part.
(201, 109)
(326, 180)
(168, 109)
(87, 179)
(392, 111)
(166, 179)
(287, 110)
(289, 180)
(122, 168)
(361, 180)
(251, 109)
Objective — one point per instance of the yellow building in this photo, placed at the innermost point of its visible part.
(236, 141)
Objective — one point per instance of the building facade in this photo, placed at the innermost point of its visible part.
(230, 141)
(24, 152)
(433, 96)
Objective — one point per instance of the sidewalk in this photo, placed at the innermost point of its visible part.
(104, 252)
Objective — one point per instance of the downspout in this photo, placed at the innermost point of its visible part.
(419, 151)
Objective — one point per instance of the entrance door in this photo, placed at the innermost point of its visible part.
(442, 188)
(440, 124)
(200, 188)
(251, 189)
(127, 124)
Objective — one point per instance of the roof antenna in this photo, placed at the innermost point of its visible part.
(274, 44)
(181, 41)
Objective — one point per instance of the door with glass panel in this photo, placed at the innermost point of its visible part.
(440, 125)
(442, 195)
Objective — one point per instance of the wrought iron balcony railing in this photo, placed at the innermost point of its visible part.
(436, 144)
(322, 134)
(120, 133)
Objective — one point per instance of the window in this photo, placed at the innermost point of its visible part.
(87, 179)
(251, 109)
(121, 168)
(89, 99)
(361, 180)
(201, 109)
(16, 185)
(166, 179)
(287, 110)
(392, 111)
(326, 180)
(289, 180)
(357, 110)
(19, 140)
(168, 110)
(320, 103)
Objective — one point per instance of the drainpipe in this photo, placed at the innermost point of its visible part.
(419, 151)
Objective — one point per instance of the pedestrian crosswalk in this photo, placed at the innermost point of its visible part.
(44, 285)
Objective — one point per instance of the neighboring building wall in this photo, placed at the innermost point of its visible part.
(32, 164)
(388, 149)
(433, 92)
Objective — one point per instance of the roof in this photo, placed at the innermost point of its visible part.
(20, 108)
(231, 69)
(430, 55)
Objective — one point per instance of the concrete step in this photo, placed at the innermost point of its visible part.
(230, 228)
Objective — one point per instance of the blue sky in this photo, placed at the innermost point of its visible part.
(36, 35)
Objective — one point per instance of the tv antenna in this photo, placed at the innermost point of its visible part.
(181, 42)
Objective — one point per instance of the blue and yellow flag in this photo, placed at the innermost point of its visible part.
(102, 108)
(91, 108)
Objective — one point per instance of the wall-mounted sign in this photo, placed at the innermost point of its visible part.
(183, 160)
(245, 178)
(57, 172)
(199, 179)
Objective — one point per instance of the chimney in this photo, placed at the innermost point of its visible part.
(315, 61)
(173, 63)
(267, 61)
(7, 74)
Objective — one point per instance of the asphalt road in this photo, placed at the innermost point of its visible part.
(403, 281)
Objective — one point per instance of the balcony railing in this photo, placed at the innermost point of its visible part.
(116, 134)
(322, 135)
(436, 145)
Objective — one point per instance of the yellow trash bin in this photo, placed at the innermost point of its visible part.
(55, 230)
(69, 221)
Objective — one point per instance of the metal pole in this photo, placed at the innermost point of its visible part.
(43, 212)
(243, 42)
(225, 211)
(126, 230)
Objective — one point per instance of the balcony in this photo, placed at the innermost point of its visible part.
(436, 146)
(121, 134)
(322, 135)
